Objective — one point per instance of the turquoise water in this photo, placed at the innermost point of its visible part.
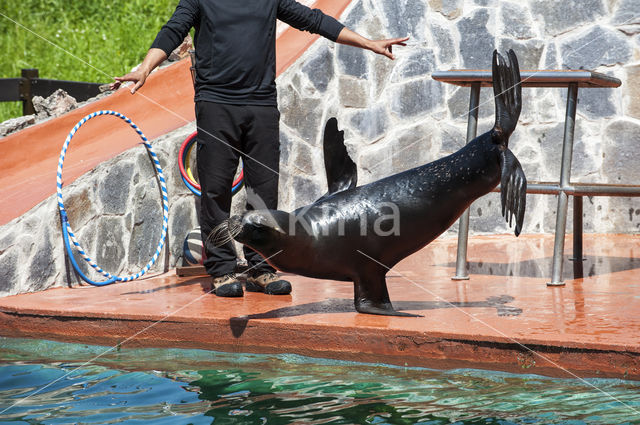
(167, 386)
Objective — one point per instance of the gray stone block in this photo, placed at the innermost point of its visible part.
(167, 150)
(405, 18)
(550, 141)
(476, 42)
(319, 68)
(42, 267)
(80, 204)
(353, 92)
(621, 153)
(631, 90)
(374, 162)
(451, 9)
(411, 149)
(548, 105)
(485, 215)
(182, 219)
(146, 231)
(444, 43)
(528, 52)
(114, 188)
(370, 124)
(452, 138)
(458, 104)
(624, 215)
(285, 149)
(8, 236)
(355, 15)
(9, 271)
(416, 97)
(561, 16)
(58, 103)
(15, 124)
(143, 168)
(305, 191)
(382, 67)
(304, 158)
(420, 62)
(516, 21)
(551, 57)
(302, 115)
(111, 247)
(596, 103)
(352, 61)
(595, 47)
(627, 13)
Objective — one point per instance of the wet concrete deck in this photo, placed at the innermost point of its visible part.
(503, 318)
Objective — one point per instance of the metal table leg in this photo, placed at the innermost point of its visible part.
(578, 269)
(463, 226)
(577, 228)
(565, 178)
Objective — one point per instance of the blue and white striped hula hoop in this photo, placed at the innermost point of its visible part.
(67, 232)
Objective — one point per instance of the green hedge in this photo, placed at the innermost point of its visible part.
(107, 38)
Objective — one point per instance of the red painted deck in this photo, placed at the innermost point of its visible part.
(503, 318)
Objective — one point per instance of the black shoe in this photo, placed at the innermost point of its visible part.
(269, 283)
(227, 285)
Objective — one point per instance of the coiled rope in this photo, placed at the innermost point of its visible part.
(67, 232)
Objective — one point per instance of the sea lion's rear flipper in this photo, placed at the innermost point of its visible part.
(341, 170)
(507, 91)
(513, 189)
(371, 295)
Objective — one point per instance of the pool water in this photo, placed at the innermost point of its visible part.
(43, 382)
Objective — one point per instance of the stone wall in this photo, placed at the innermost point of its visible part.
(395, 117)
(116, 213)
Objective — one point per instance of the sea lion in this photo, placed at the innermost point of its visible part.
(359, 233)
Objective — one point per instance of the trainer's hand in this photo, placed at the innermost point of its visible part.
(381, 47)
(385, 47)
(138, 76)
(154, 58)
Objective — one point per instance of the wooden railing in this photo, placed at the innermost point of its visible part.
(30, 85)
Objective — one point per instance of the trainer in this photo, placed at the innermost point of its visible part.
(236, 110)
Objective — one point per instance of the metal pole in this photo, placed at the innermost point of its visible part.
(565, 178)
(26, 92)
(463, 226)
(577, 229)
(578, 269)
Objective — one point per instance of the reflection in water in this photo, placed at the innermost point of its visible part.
(201, 387)
(541, 267)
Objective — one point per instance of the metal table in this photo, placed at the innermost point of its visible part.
(572, 80)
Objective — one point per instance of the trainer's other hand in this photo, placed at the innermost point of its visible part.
(138, 77)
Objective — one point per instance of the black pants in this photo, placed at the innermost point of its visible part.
(225, 134)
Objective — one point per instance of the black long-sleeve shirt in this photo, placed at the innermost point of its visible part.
(235, 44)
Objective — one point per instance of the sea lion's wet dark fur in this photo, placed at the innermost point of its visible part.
(348, 234)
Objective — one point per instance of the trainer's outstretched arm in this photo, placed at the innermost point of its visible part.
(154, 58)
(381, 47)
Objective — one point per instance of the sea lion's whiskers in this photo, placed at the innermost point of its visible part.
(234, 229)
(219, 235)
(224, 232)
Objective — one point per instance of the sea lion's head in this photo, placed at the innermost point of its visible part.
(261, 230)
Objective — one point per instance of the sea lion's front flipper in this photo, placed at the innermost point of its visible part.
(341, 170)
(513, 189)
(371, 296)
